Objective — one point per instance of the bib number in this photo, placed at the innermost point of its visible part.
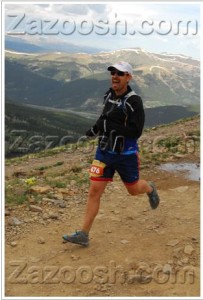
(97, 168)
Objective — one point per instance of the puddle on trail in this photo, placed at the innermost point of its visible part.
(189, 170)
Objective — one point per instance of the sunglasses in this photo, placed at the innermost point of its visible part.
(118, 73)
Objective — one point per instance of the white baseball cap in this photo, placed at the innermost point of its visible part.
(121, 66)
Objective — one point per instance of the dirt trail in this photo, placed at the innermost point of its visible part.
(134, 251)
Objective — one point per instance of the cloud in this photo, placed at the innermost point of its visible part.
(70, 9)
(42, 5)
(77, 9)
(117, 16)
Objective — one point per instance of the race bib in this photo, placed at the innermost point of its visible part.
(97, 168)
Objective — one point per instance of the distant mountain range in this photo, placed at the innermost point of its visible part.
(24, 46)
(77, 81)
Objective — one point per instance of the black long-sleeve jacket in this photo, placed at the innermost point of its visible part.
(122, 116)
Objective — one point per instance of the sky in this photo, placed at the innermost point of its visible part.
(157, 27)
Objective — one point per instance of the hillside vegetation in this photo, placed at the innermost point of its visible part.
(30, 129)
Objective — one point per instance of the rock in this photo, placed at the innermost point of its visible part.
(64, 191)
(19, 173)
(45, 199)
(178, 155)
(73, 182)
(7, 213)
(188, 249)
(57, 202)
(167, 269)
(40, 189)
(53, 216)
(35, 208)
(180, 189)
(58, 196)
(14, 222)
(140, 278)
(173, 243)
(74, 257)
(177, 250)
(42, 222)
(14, 244)
(41, 240)
(103, 288)
(70, 193)
(62, 205)
(185, 260)
(124, 242)
(143, 266)
(194, 239)
(123, 205)
(27, 220)
(115, 219)
(45, 216)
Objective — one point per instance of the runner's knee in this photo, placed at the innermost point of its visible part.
(96, 189)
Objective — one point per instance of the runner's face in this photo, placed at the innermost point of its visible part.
(119, 81)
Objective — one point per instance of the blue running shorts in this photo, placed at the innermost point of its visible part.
(105, 164)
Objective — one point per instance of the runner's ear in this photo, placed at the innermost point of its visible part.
(130, 77)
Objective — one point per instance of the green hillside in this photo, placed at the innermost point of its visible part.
(30, 129)
(32, 88)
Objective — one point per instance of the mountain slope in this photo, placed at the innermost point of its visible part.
(80, 80)
(30, 129)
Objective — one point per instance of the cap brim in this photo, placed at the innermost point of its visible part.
(111, 68)
(119, 68)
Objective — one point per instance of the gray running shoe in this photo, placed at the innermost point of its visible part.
(79, 237)
(153, 196)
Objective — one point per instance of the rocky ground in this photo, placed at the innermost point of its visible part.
(134, 251)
